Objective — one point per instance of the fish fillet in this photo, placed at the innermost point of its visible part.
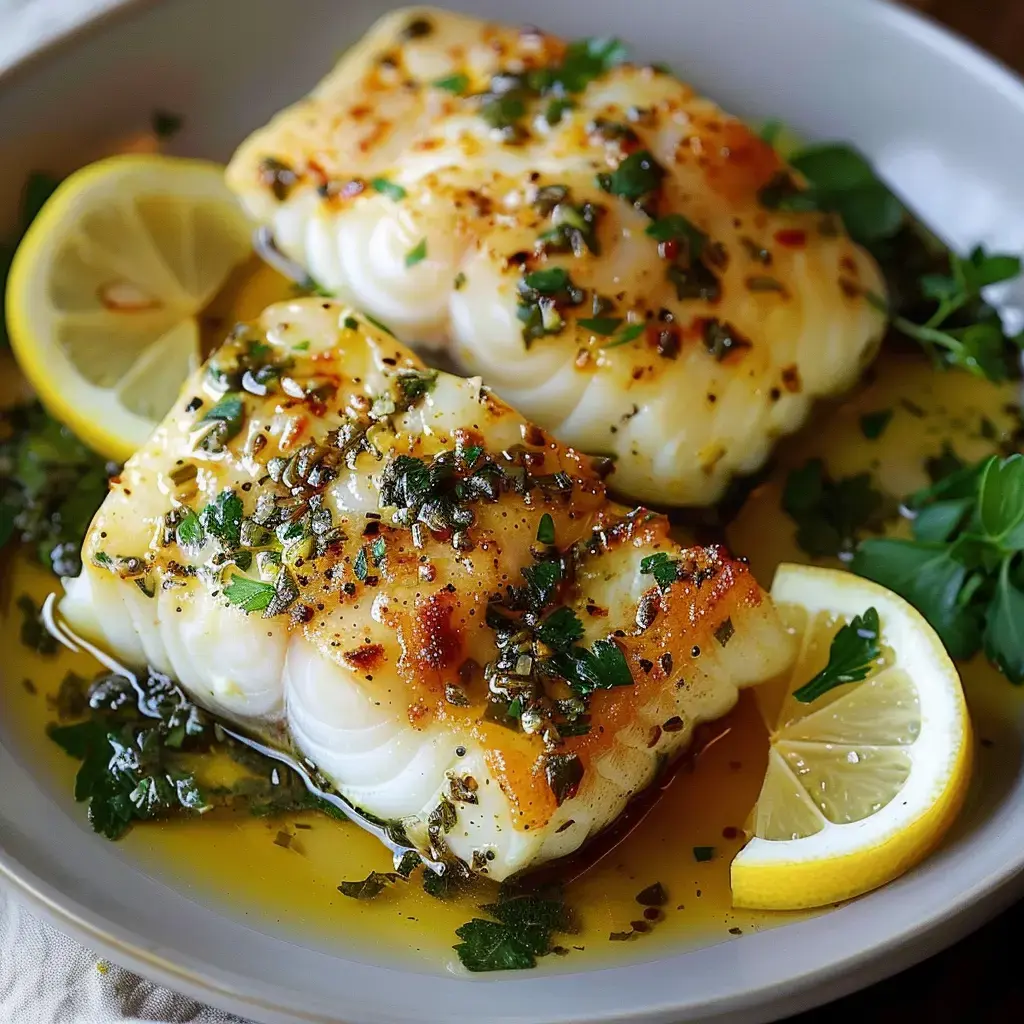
(389, 570)
(586, 234)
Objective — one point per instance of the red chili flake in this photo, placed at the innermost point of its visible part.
(729, 832)
(668, 250)
(792, 238)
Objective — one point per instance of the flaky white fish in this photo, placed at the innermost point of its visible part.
(390, 571)
(592, 237)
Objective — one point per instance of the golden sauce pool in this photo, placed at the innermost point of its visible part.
(282, 874)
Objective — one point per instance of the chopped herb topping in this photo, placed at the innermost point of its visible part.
(225, 419)
(653, 896)
(249, 595)
(546, 529)
(605, 326)
(50, 487)
(628, 333)
(222, 519)
(873, 424)
(190, 534)
(33, 634)
(702, 854)
(388, 188)
(637, 178)
(457, 83)
(721, 339)
(522, 932)
(542, 296)
(416, 254)
(663, 568)
(830, 514)
(370, 886)
(853, 654)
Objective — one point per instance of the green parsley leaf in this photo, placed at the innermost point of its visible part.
(560, 629)
(522, 932)
(226, 417)
(931, 580)
(1004, 627)
(546, 529)
(360, 567)
(370, 886)
(602, 667)
(414, 384)
(676, 228)
(249, 595)
(636, 178)
(829, 513)
(190, 534)
(586, 60)
(542, 581)
(852, 656)
(33, 634)
(664, 569)
(222, 519)
(388, 188)
(457, 83)
(416, 254)
(605, 326)
(549, 281)
(1001, 501)
(302, 346)
(873, 424)
(628, 333)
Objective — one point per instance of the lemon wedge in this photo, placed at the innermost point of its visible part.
(863, 781)
(106, 287)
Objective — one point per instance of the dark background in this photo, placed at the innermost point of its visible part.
(973, 982)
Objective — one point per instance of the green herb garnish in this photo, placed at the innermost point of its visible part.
(457, 83)
(873, 424)
(830, 514)
(222, 519)
(852, 656)
(663, 568)
(370, 886)
(636, 179)
(417, 254)
(522, 932)
(388, 188)
(249, 595)
(963, 568)
(702, 854)
(50, 487)
(546, 529)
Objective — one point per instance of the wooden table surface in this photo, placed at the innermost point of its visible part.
(973, 982)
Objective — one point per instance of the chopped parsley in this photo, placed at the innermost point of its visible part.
(522, 931)
(457, 83)
(249, 595)
(628, 333)
(830, 514)
(190, 534)
(225, 418)
(663, 568)
(852, 656)
(873, 424)
(546, 529)
(222, 519)
(962, 568)
(417, 254)
(702, 854)
(50, 487)
(543, 294)
(637, 178)
(388, 188)
(33, 634)
(370, 886)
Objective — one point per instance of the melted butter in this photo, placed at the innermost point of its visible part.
(282, 874)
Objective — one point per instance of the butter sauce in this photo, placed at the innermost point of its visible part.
(282, 874)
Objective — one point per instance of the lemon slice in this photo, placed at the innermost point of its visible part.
(105, 289)
(864, 781)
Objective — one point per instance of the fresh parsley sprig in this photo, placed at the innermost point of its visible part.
(934, 295)
(963, 569)
(851, 657)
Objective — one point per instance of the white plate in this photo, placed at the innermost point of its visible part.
(941, 121)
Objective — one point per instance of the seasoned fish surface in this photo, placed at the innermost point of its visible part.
(590, 236)
(431, 599)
